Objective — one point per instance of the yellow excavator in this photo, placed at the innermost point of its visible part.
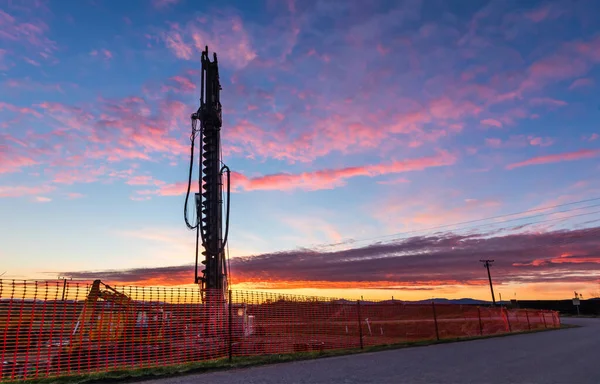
(113, 330)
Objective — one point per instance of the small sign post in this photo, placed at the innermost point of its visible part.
(576, 302)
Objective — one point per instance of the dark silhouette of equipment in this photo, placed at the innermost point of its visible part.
(487, 264)
(209, 199)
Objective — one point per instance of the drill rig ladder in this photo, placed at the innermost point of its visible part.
(209, 199)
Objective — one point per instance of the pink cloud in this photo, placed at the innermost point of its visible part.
(144, 180)
(491, 123)
(123, 129)
(175, 189)
(541, 141)
(571, 60)
(565, 258)
(382, 50)
(471, 73)
(11, 158)
(18, 191)
(342, 127)
(20, 110)
(519, 141)
(332, 178)
(567, 156)
(224, 34)
(42, 199)
(545, 12)
(557, 67)
(583, 82)
(28, 84)
(175, 43)
(10, 162)
(85, 175)
(547, 101)
(539, 14)
(31, 61)
(324, 179)
(589, 49)
(74, 195)
(30, 34)
(117, 154)
(510, 116)
(493, 142)
(103, 52)
(180, 84)
(446, 108)
(592, 137)
(111, 130)
(333, 133)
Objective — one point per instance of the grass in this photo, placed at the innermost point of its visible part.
(133, 375)
(580, 316)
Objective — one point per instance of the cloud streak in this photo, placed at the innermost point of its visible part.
(559, 157)
(420, 261)
(317, 180)
(332, 178)
(31, 35)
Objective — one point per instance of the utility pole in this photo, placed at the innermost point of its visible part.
(487, 266)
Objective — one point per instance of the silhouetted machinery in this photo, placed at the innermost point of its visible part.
(209, 201)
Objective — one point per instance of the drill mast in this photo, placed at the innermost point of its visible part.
(209, 200)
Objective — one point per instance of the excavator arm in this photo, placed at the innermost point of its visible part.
(82, 330)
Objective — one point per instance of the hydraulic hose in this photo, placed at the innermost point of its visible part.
(187, 195)
(228, 206)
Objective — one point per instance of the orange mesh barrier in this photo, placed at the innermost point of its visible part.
(55, 328)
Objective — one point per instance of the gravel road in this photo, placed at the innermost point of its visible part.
(556, 357)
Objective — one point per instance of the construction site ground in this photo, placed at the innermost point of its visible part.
(561, 356)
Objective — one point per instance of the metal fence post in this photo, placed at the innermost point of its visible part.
(230, 327)
(359, 326)
(544, 317)
(64, 289)
(480, 323)
(528, 323)
(508, 320)
(437, 332)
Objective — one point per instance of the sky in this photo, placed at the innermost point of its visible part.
(361, 137)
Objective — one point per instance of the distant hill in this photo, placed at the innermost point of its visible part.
(463, 301)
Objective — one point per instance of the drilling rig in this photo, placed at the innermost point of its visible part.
(209, 200)
(208, 224)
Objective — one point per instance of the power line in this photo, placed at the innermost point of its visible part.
(564, 241)
(474, 221)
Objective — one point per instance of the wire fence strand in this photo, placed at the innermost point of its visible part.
(57, 328)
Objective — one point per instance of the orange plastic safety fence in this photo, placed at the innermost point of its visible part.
(55, 328)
